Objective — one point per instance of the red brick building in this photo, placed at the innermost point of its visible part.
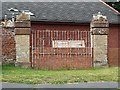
(60, 33)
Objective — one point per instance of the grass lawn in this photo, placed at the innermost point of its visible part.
(32, 76)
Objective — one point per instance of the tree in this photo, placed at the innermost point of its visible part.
(115, 5)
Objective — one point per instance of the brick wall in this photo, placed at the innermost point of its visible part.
(113, 45)
(59, 58)
(8, 46)
(63, 62)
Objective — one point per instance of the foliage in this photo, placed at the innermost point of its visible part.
(115, 5)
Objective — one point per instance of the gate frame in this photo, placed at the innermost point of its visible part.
(31, 44)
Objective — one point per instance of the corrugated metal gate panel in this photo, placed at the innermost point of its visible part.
(57, 49)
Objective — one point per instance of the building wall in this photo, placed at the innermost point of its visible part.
(63, 62)
(113, 48)
(59, 58)
(59, 26)
(8, 46)
(113, 42)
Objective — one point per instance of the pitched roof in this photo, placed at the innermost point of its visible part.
(63, 11)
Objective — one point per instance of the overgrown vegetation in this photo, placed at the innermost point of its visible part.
(32, 76)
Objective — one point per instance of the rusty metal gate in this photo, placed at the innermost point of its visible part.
(56, 49)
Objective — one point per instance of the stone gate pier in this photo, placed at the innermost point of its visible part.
(22, 37)
(99, 38)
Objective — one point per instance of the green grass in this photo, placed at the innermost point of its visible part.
(32, 76)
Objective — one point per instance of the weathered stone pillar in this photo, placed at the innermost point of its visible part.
(22, 37)
(99, 34)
